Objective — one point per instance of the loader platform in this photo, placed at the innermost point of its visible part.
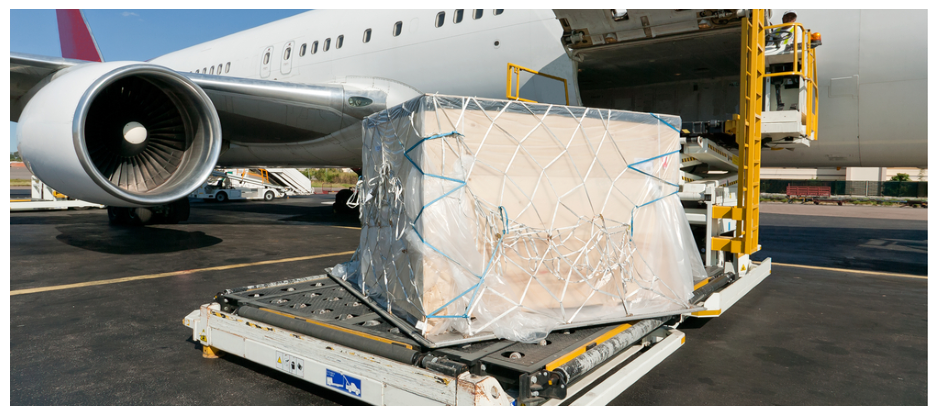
(319, 329)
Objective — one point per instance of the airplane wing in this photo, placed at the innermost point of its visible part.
(251, 111)
(26, 72)
(256, 111)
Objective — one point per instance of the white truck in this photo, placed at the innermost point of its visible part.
(223, 186)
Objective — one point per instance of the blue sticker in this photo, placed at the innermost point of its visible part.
(350, 385)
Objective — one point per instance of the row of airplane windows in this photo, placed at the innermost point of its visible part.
(396, 30)
(211, 70)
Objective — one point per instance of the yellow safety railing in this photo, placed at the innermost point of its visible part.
(803, 65)
(514, 72)
(262, 173)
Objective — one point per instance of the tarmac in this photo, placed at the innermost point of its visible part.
(842, 320)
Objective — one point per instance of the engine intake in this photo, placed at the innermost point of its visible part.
(121, 134)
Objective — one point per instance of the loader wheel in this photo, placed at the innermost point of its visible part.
(221, 197)
(178, 211)
(268, 196)
(341, 202)
(117, 216)
(139, 216)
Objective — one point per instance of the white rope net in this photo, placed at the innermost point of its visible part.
(488, 216)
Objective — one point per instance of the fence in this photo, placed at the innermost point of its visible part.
(852, 188)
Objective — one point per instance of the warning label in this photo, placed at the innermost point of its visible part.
(290, 364)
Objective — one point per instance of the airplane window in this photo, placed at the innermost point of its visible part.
(212, 71)
(457, 16)
(338, 41)
(367, 37)
(266, 58)
(397, 28)
(325, 44)
(204, 70)
(227, 67)
(440, 18)
(314, 48)
(286, 53)
(303, 50)
(196, 71)
(477, 14)
(498, 11)
(219, 69)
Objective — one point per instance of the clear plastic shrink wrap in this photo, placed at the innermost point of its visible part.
(509, 218)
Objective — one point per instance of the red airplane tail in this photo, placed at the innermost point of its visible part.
(75, 36)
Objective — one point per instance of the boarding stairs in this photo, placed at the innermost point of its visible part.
(292, 179)
(287, 181)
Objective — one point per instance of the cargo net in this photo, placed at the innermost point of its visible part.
(458, 237)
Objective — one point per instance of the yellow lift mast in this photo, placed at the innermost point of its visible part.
(747, 125)
(748, 128)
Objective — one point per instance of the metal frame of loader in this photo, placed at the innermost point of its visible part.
(43, 197)
(345, 345)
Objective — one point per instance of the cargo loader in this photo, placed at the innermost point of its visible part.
(325, 330)
(43, 197)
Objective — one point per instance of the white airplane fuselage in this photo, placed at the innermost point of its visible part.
(466, 58)
(873, 95)
(872, 89)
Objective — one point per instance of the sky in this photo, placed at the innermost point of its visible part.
(135, 35)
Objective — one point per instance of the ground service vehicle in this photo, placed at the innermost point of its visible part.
(223, 186)
(363, 351)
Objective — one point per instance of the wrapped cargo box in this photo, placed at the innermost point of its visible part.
(485, 218)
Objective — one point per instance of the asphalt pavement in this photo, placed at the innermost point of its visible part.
(812, 336)
(803, 336)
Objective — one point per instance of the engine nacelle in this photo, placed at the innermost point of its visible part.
(120, 134)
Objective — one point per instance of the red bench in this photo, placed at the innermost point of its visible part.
(813, 192)
(807, 191)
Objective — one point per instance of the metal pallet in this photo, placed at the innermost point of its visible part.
(379, 380)
(512, 372)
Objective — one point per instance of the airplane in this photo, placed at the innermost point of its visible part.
(294, 92)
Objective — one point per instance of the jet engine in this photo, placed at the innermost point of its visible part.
(121, 134)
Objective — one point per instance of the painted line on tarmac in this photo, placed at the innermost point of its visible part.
(172, 274)
(856, 271)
